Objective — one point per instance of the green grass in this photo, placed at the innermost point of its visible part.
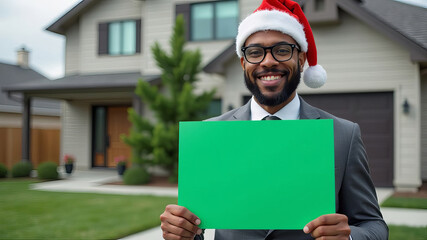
(31, 214)
(402, 202)
(407, 233)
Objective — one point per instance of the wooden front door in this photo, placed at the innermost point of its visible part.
(109, 124)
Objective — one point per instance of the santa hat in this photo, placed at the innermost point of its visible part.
(287, 17)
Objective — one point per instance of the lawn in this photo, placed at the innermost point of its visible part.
(405, 202)
(31, 214)
(407, 233)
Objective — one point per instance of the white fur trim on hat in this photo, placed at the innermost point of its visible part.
(315, 76)
(270, 20)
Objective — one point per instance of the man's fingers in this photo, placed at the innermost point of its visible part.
(329, 219)
(169, 228)
(333, 226)
(171, 236)
(182, 223)
(183, 212)
(179, 222)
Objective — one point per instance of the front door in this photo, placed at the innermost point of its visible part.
(109, 122)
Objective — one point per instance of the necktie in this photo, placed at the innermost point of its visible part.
(271, 117)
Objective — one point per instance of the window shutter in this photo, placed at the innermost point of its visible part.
(102, 38)
(138, 36)
(184, 9)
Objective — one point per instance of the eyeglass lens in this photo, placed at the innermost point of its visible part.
(256, 54)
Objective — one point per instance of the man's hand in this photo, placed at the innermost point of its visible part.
(179, 223)
(331, 226)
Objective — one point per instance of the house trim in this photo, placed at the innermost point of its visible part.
(418, 53)
(60, 25)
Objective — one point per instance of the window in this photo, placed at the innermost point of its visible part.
(214, 20)
(319, 5)
(120, 38)
(214, 108)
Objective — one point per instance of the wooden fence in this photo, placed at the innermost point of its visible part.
(45, 144)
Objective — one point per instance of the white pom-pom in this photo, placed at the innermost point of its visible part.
(315, 76)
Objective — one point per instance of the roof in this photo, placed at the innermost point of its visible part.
(399, 21)
(61, 24)
(13, 74)
(83, 86)
(407, 19)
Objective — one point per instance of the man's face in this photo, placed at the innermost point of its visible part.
(272, 82)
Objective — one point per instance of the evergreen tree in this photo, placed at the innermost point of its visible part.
(158, 142)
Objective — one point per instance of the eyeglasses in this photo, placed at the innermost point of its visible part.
(281, 52)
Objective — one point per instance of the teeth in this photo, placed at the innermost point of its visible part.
(269, 78)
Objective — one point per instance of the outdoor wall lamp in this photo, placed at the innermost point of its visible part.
(230, 107)
(406, 107)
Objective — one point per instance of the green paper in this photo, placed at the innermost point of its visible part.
(257, 174)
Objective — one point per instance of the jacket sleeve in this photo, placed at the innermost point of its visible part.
(358, 200)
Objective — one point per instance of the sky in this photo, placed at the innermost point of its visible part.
(23, 24)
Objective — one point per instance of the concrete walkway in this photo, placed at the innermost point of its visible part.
(94, 181)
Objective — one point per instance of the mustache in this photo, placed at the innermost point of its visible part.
(267, 71)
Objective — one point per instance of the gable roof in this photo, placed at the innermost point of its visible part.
(62, 23)
(403, 23)
(13, 74)
(407, 19)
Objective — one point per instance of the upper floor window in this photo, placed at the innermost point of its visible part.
(214, 20)
(120, 37)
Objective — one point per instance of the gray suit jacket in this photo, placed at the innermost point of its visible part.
(354, 191)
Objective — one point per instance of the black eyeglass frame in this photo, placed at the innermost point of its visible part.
(293, 46)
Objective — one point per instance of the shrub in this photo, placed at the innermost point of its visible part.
(3, 171)
(22, 169)
(48, 170)
(136, 176)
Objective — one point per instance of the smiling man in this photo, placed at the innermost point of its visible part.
(273, 44)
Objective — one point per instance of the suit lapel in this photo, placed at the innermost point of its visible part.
(244, 112)
(307, 111)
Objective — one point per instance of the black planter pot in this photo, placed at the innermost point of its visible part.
(121, 169)
(69, 168)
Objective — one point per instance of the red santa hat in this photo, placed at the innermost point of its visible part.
(287, 17)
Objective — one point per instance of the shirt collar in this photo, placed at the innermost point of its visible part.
(288, 112)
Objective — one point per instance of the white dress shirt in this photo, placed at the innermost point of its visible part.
(288, 112)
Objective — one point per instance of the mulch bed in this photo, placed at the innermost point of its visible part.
(155, 182)
(422, 193)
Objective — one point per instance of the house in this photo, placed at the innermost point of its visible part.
(45, 125)
(375, 54)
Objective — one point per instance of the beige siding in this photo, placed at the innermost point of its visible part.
(76, 134)
(157, 27)
(358, 59)
(247, 7)
(72, 51)
(424, 126)
(109, 10)
(235, 88)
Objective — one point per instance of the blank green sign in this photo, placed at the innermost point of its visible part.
(257, 174)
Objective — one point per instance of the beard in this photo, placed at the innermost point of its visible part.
(289, 87)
